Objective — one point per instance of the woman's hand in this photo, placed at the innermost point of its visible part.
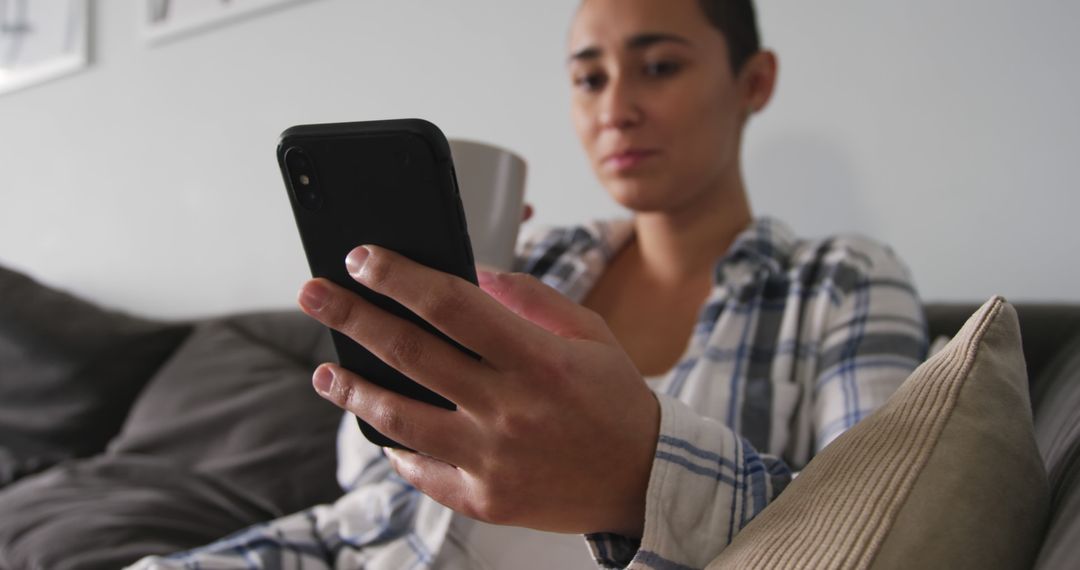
(555, 428)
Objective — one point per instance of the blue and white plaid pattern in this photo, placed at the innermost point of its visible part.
(797, 342)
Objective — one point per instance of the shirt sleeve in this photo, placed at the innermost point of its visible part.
(873, 337)
(706, 484)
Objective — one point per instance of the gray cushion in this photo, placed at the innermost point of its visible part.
(107, 512)
(1045, 328)
(227, 434)
(69, 372)
(1057, 431)
(236, 401)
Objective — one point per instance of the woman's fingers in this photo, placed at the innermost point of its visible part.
(542, 305)
(439, 432)
(436, 479)
(452, 305)
(451, 487)
(399, 343)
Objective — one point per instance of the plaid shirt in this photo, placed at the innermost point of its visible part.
(797, 341)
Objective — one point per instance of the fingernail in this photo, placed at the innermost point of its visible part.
(484, 277)
(314, 296)
(354, 262)
(323, 380)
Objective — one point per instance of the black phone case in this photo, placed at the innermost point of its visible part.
(386, 183)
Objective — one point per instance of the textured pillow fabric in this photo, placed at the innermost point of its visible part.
(945, 475)
(69, 372)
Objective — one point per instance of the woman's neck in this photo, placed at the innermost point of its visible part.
(679, 246)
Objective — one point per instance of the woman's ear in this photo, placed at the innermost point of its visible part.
(757, 80)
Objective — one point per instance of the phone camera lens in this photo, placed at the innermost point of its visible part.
(310, 200)
(304, 182)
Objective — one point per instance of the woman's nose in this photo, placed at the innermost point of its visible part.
(619, 108)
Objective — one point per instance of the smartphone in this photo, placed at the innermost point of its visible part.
(387, 183)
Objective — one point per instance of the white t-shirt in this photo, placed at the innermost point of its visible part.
(482, 546)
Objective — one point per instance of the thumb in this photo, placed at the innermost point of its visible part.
(542, 305)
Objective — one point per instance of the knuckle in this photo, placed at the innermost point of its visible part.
(506, 425)
(512, 427)
(559, 366)
(541, 358)
(404, 349)
(378, 271)
(342, 394)
(594, 321)
(390, 421)
(473, 509)
(348, 319)
(521, 281)
(444, 307)
(493, 506)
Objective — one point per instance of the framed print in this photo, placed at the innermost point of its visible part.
(163, 20)
(40, 41)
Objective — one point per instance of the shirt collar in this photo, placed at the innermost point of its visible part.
(766, 242)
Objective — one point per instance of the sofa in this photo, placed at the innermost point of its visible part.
(122, 436)
(1051, 345)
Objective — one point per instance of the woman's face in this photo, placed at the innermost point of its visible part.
(655, 102)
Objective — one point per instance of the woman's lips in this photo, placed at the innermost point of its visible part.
(628, 159)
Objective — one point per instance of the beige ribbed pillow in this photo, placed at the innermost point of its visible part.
(945, 475)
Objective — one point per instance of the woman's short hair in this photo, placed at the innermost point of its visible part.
(737, 22)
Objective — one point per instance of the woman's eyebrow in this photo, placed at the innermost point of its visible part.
(585, 54)
(641, 41)
(635, 42)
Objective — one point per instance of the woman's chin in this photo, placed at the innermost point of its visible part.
(641, 196)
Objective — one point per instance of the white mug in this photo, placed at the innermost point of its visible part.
(492, 184)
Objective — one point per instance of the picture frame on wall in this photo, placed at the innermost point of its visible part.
(165, 20)
(41, 41)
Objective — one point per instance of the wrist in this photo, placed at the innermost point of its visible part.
(630, 519)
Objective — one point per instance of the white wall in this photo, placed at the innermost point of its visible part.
(148, 182)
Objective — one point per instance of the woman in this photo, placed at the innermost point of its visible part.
(756, 348)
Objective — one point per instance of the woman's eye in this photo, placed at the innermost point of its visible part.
(661, 68)
(589, 81)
